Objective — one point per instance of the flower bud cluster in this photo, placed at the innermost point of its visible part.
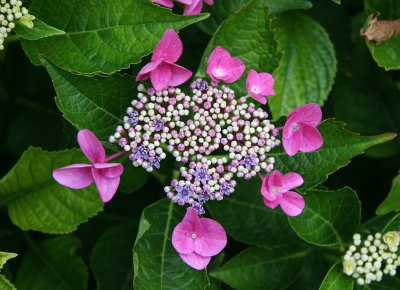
(191, 128)
(368, 260)
(10, 11)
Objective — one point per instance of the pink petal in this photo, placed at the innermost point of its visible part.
(179, 75)
(110, 170)
(213, 239)
(292, 203)
(181, 238)
(74, 176)
(166, 3)
(185, 2)
(161, 76)
(291, 180)
(271, 188)
(193, 8)
(267, 84)
(265, 189)
(271, 204)
(144, 73)
(309, 114)
(292, 144)
(169, 48)
(209, 2)
(253, 88)
(233, 68)
(311, 139)
(195, 260)
(91, 146)
(192, 217)
(106, 187)
(212, 64)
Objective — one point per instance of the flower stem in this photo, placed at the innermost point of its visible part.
(109, 158)
(13, 38)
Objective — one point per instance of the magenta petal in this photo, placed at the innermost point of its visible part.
(185, 2)
(209, 2)
(179, 75)
(291, 180)
(271, 204)
(309, 114)
(192, 217)
(169, 48)
(193, 8)
(106, 187)
(110, 170)
(311, 139)
(292, 145)
(166, 3)
(292, 203)
(213, 240)
(234, 68)
(74, 176)
(181, 238)
(144, 73)
(267, 84)
(195, 260)
(161, 76)
(91, 146)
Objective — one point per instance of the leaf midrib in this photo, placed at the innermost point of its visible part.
(167, 226)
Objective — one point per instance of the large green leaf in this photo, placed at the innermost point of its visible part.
(39, 30)
(111, 258)
(53, 264)
(35, 201)
(339, 146)
(392, 201)
(335, 279)
(246, 219)
(307, 68)
(156, 263)
(386, 53)
(246, 35)
(329, 218)
(4, 283)
(101, 36)
(262, 268)
(4, 257)
(376, 103)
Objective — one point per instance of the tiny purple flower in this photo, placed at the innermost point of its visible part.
(154, 162)
(158, 125)
(248, 161)
(226, 188)
(142, 152)
(202, 86)
(201, 175)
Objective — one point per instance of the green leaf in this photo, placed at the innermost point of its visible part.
(133, 177)
(4, 257)
(337, 1)
(96, 103)
(101, 36)
(307, 68)
(156, 263)
(111, 258)
(246, 35)
(386, 54)
(339, 146)
(262, 268)
(53, 264)
(246, 219)
(335, 279)
(279, 6)
(392, 201)
(375, 103)
(39, 30)
(35, 201)
(330, 217)
(5, 284)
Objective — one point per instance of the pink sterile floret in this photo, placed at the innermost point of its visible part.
(166, 3)
(276, 188)
(194, 6)
(198, 239)
(162, 69)
(260, 85)
(299, 132)
(221, 66)
(105, 175)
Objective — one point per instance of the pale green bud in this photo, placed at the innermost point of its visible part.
(391, 239)
(27, 20)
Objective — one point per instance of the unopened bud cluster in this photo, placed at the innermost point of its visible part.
(210, 121)
(10, 11)
(367, 261)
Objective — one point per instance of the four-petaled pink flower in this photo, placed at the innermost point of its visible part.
(162, 69)
(195, 6)
(260, 85)
(198, 239)
(276, 188)
(221, 66)
(105, 175)
(299, 132)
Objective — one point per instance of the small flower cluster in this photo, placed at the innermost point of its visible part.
(368, 260)
(9, 12)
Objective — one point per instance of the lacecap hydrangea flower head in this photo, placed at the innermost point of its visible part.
(193, 128)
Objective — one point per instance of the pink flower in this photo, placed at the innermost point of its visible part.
(299, 132)
(275, 190)
(162, 69)
(166, 3)
(260, 85)
(195, 6)
(105, 175)
(197, 240)
(222, 67)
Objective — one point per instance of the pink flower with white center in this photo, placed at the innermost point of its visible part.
(221, 66)
(105, 175)
(260, 85)
(162, 69)
(195, 6)
(299, 132)
(276, 188)
(198, 239)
